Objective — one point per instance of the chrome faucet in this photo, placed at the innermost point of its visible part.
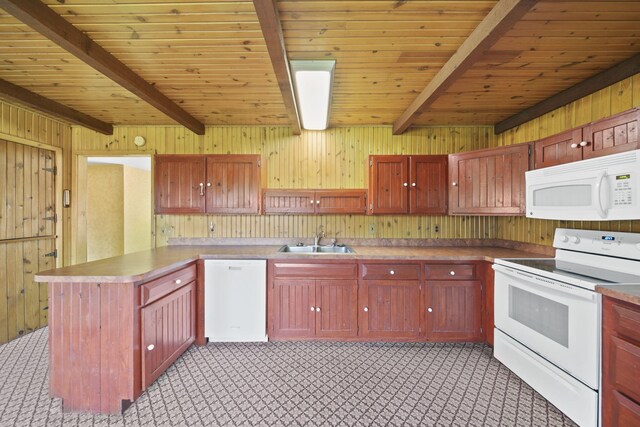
(318, 236)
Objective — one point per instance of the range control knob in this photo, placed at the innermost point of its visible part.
(565, 238)
(575, 239)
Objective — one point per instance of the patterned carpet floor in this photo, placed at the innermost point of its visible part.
(296, 384)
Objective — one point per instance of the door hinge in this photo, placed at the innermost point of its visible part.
(53, 170)
(53, 254)
(371, 206)
(53, 218)
(259, 163)
(370, 162)
(529, 150)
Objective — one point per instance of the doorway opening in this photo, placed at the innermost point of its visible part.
(118, 206)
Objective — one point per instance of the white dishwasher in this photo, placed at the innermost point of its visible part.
(235, 300)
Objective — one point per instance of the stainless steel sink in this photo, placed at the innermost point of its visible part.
(310, 249)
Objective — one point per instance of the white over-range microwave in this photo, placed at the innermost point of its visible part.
(599, 189)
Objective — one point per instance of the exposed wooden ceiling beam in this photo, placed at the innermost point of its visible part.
(267, 11)
(499, 20)
(586, 87)
(46, 105)
(51, 25)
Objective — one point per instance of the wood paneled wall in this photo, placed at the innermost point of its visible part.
(336, 158)
(606, 102)
(29, 142)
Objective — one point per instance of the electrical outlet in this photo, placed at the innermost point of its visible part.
(436, 228)
(372, 229)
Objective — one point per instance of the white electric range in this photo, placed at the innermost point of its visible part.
(548, 315)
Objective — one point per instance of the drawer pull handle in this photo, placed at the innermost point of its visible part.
(391, 272)
(313, 309)
(202, 188)
(151, 347)
(317, 309)
(430, 309)
(453, 273)
(366, 309)
(178, 281)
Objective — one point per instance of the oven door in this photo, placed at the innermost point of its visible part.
(558, 321)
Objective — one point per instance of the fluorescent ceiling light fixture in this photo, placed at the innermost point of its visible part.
(312, 83)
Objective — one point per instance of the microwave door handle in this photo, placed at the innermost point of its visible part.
(598, 196)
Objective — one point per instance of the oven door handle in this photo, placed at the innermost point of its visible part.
(546, 284)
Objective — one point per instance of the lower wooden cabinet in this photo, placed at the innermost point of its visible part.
(620, 363)
(168, 329)
(389, 309)
(453, 310)
(293, 307)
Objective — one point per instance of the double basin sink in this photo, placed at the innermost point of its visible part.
(311, 249)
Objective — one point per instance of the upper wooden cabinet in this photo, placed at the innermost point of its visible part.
(221, 184)
(408, 184)
(488, 182)
(607, 136)
(315, 201)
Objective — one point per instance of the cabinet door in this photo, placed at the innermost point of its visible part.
(233, 184)
(612, 135)
(289, 201)
(388, 184)
(168, 328)
(294, 308)
(179, 184)
(389, 308)
(556, 149)
(454, 310)
(488, 182)
(336, 308)
(341, 201)
(428, 184)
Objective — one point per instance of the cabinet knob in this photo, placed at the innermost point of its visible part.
(392, 272)
(178, 281)
(311, 201)
(406, 184)
(430, 309)
(413, 184)
(208, 184)
(313, 309)
(151, 347)
(317, 202)
(366, 309)
(317, 309)
(455, 184)
(453, 273)
(584, 143)
(574, 145)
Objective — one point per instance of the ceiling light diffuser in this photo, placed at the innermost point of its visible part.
(312, 82)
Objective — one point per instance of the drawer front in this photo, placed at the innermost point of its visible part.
(624, 367)
(390, 271)
(313, 270)
(626, 322)
(450, 271)
(156, 289)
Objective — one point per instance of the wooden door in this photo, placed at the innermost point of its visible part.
(168, 328)
(233, 184)
(488, 182)
(428, 184)
(388, 184)
(294, 308)
(612, 135)
(289, 201)
(557, 149)
(27, 236)
(453, 310)
(389, 308)
(341, 201)
(179, 184)
(336, 308)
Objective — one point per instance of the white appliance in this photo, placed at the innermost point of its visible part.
(548, 315)
(601, 189)
(235, 300)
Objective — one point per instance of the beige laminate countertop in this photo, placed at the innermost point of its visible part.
(628, 293)
(145, 265)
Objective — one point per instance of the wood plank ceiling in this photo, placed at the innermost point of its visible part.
(210, 57)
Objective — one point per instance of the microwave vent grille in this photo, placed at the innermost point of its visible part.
(598, 163)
